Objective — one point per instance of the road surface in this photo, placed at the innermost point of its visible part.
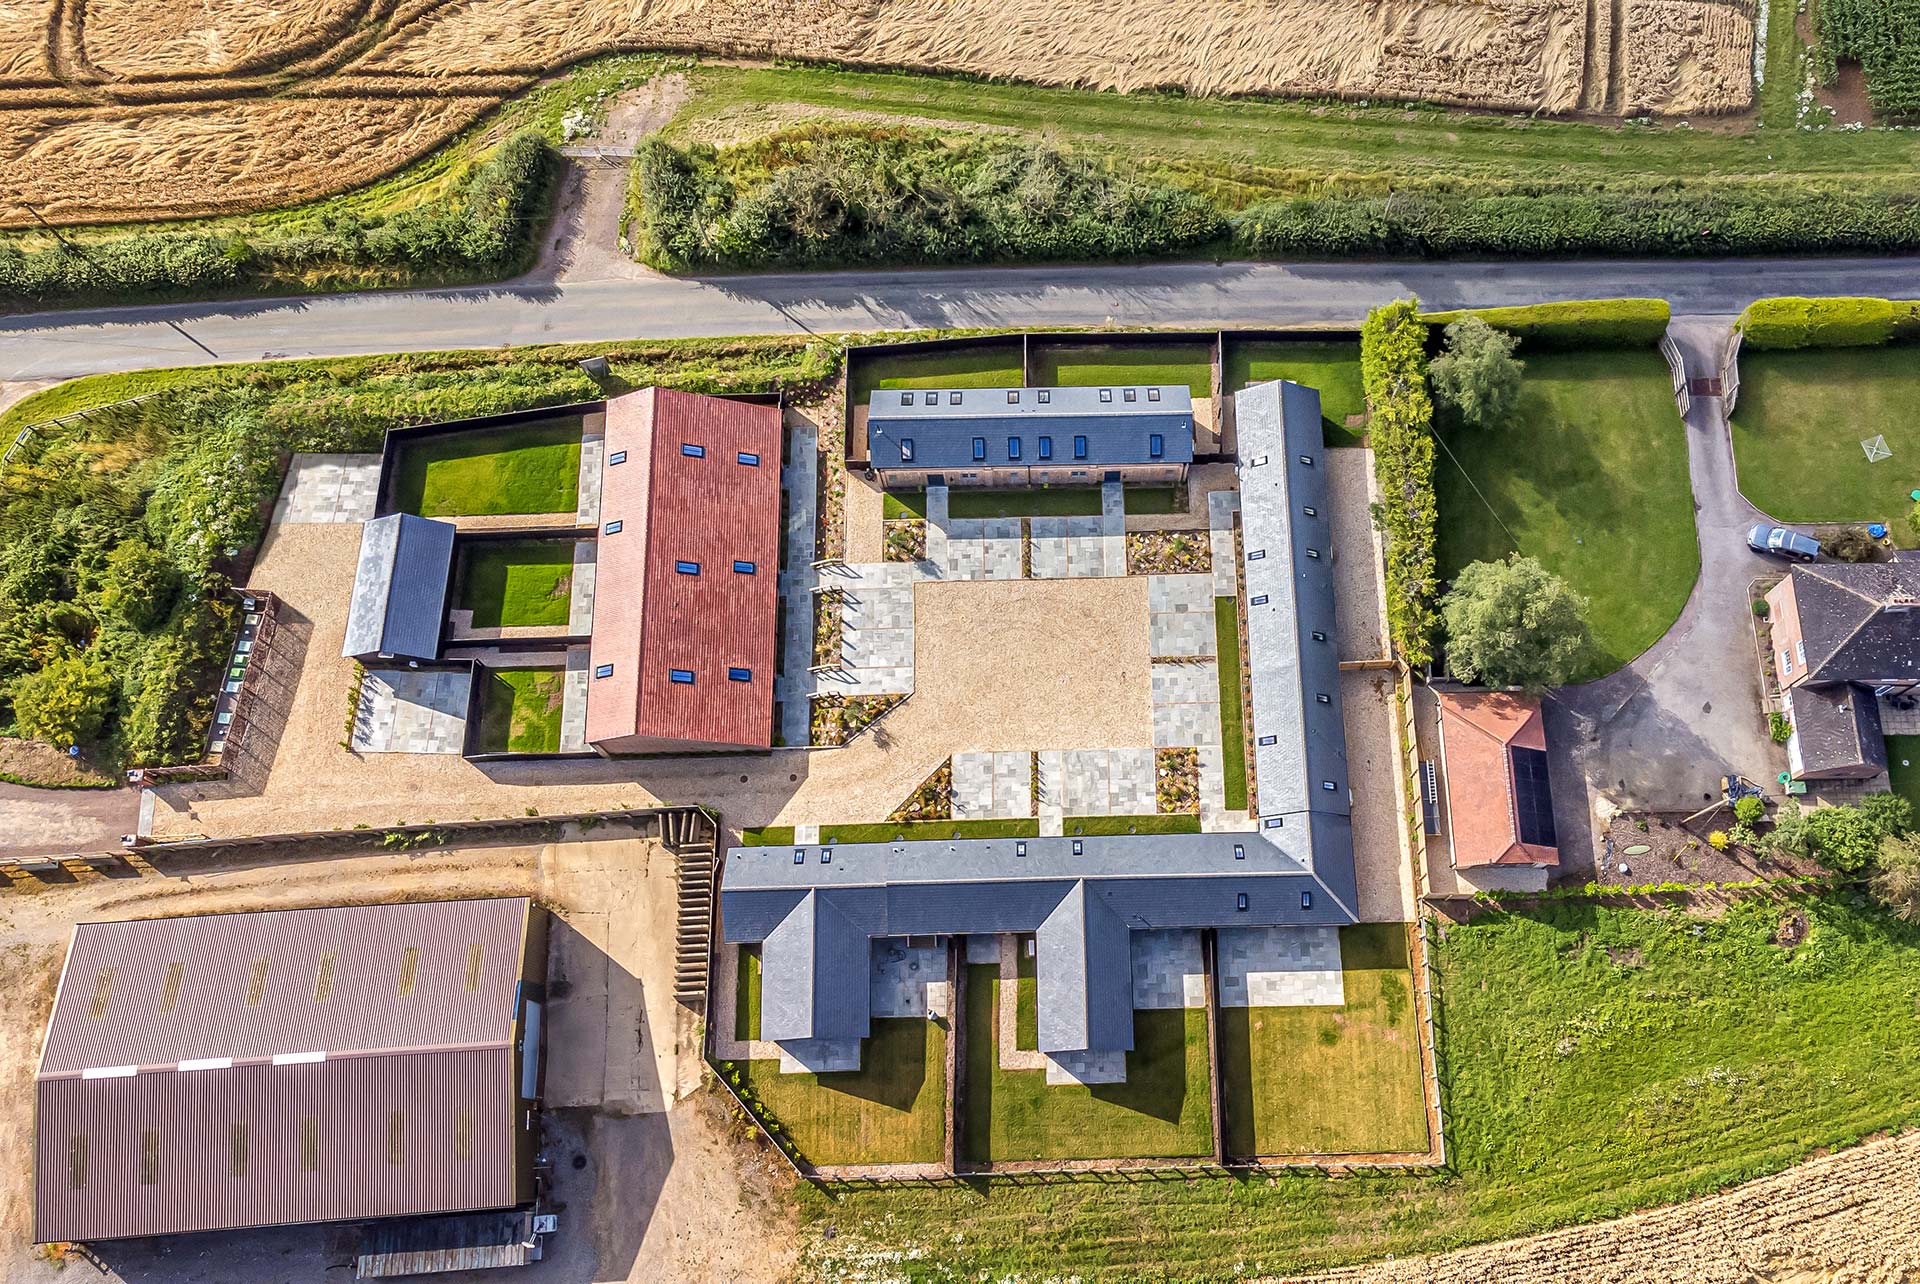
(67, 344)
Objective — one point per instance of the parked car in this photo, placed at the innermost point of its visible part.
(1781, 542)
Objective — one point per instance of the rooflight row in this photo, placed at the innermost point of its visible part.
(1044, 395)
(693, 450)
(1157, 447)
(202, 1063)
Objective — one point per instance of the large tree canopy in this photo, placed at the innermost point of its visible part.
(1514, 624)
(1477, 375)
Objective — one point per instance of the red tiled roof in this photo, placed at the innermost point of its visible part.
(648, 619)
(1477, 728)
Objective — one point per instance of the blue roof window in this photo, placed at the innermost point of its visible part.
(1156, 446)
(744, 568)
(617, 457)
(1079, 447)
(906, 450)
(687, 568)
(682, 677)
(692, 450)
(614, 527)
(1046, 448)
(739, 675)
(979, 448)
(1013, 448)
(603, 670)
(747, 457)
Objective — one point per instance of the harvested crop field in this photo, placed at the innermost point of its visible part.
(174, 107)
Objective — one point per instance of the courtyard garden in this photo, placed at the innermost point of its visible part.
(993, 365)
(1290, 1077)
(520, 710)
(526, 583)
(1589, 476)
(1331, 367)
(1799, 424)
(1163, 1110)
(525, 468)
(1092, 365)
(1041, 501)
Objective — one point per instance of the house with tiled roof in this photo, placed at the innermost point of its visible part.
(1845, 636)
(1493, 751)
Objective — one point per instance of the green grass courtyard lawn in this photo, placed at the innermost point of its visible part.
(1233, 708)
(1598, 1060)
(1333, 368)
(1590, 476)
(1798, 426)
(520, 710)
(521, 583)
(1903, 767)
(1087, 365)
(1162, 1110)
(522, 468)
(1040, 501)
(994, 365)
(893, 1109)
(1333, 1081)
(746, 995)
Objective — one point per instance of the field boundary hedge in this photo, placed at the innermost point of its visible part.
(1586, 324)
(1844, 322)
(1393, 369)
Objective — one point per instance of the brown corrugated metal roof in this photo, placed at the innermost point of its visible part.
(302, 1065)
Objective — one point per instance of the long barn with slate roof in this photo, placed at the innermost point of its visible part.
(816, 909)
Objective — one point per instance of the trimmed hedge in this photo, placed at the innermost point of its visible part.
(1828, 323)
(1393, 368)
(485, 228)
(1591, 323)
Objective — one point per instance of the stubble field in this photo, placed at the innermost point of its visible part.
(126, 109)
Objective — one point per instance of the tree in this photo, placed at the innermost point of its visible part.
(1477, 374)
(1843, 838)
(1890, 813)
(1896, 884)
(65, 702)
(138, 584)
(1514, 624)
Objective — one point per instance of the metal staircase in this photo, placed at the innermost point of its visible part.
(690, 836)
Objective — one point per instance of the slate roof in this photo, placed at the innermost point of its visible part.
(1860, 621)
(1296, 867)
(234, 1070)
(1117, 431)
(1836, 727)
(400, 588)
(816, 940)
(1478, 732)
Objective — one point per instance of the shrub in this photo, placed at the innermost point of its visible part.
(1760, 607)
(1896, 882)
(1514, 624)
(1749, 810)
(1842, 838)
(1477, 374)
(1890, 813)
(1393, 369)
(1827, 323)
(1778, 727)
(1718, 840)
(64, 703)
(139, 583)
(1592, 323)
(1883, 36)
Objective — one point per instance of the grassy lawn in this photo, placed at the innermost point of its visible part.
(1591, 478)
(891, 1110)
(1045, 501)
(1338, 1081)
(746, 995)
(520, 710)
(1161, 1110)
(994, 365)
(1233, 710)
(1798, 427)
(1026, 999)
(516, 583)
(524, 468)
(1060, 365)
(1333, 368)
(1170, 824)
(1903, 767)
(1599, 1060)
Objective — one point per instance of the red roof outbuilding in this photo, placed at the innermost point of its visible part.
(1498, 807)
(686, 587)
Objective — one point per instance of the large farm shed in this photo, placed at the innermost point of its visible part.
(313, 1065)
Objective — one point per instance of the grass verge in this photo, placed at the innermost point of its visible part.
(1097, 825)
(746, 995)
(992, 365)
(1590, 477)
(1903, 767)
(891, 1110)
(1233, 709)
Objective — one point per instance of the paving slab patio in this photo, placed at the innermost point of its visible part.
(328, 488)
(1180, 619)
(989, 786)
(1186, 704)
(1280, 967)
(1168, 971)
(412, 711)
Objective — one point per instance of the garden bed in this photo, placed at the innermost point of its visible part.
(1679, 851)
(906, 541)
(933, 800)
(829, 629)
(1169, 553)
(838, 719)
(1176, 781)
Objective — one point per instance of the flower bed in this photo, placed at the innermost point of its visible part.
(906, 541)
(933, 800)
(1176, 781)
(838, 719)
(1169, 553)
(828, 627)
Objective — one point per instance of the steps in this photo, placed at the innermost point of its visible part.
(689, 835)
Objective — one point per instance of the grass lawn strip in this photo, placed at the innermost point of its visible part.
(1590, 475)
(994, 365)
(1798, 427)
(520, 710)
(1101, 365)
(1233, 713)
(892, 1110)
(1162, 1110)
(746, 995)
(1026, 999)
(1041, 501)
(1092, 825)
(1333, 368)
(1599, 1060)
(517, 583)
(519, 469)
(1292, 1078)
(1903, 767)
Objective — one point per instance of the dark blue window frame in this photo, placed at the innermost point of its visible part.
(739, 675)
(1079, 447)
(613, 527)
(603, 671)
(744, 568)
(1013, 448)
(1046, 448)
(1156, 446)
(687, 568)
(681, 677)
(979, 449)
(692, 450)
(906, 450)
(748, 458)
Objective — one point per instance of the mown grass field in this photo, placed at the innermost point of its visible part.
(1798, 426)
(523, 468)
(1333, 368)
(1590, 477)
(520, 711)
(1334, 1081)
(516, 583)
(1598, 1060)
(1093, 365)
(1162, 1110)
(891, 1110)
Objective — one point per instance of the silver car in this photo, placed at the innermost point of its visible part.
(1781, 542)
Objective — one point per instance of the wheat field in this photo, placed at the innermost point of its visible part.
(124, 109)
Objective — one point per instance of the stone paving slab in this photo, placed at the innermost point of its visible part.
(1087, 1068)
(983, 948)
(1221, 506)
(818, 1056)
(1180, 615)
(328, 488)
(1051, 765)
(980, 548)
(1186, 705)
(593, 453)
(412, 711)
(1168, 971)
(876, 629)
(586, 566)
(1106, 782)
(1280, 967)
(573, 701)
(989, 786)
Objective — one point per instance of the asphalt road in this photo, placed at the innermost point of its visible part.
(66, 344)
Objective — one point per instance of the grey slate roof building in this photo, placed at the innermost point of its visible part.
(1023, 436)
(1082, 897)
(399, 589)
